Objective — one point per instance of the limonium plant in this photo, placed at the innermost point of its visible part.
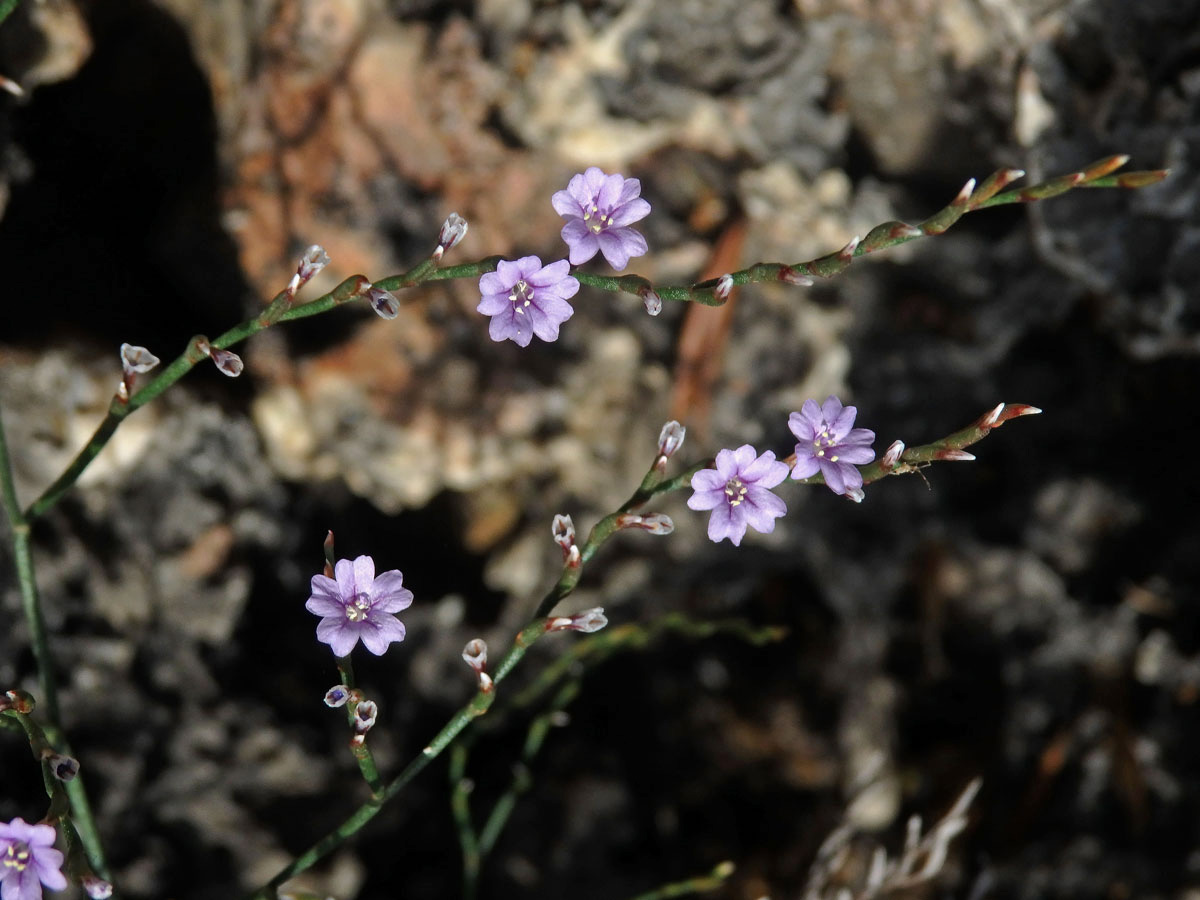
(742, 489)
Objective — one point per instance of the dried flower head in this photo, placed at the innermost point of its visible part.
(312, 261)
(724, 287)
(28, 860)
(599, 209)
(670, 439)
(738, 493)
(228, 362)
(475, 654)
(829, 443)
(525, 298)
(356, 604)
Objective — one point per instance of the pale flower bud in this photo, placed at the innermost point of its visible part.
(651, 300)
(790, 276)
(227, 361)
(64, 768)
(312, 261)
(563, 530)
(670, 439)
(892, 455)
(724, 287)
(453, 230)
(386, 306)
(365, 714)
(475, 654)
(337, 696)
(655, 523)
(95, 887)
(588, 621)
(137, 360)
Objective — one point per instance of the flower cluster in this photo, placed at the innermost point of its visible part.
(738, 490)
(28, 860)
(358, 604)
(525, 298)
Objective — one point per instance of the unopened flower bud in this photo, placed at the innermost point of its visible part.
(892, 455)
(724, 287)
(791, 276)
(650, 299)
(655, 523)
(386, 306)
(19, 700)
(337, 696)
(228, 362)
(954, 455)
(11, 86)
(588, 621)
(64, 768)
(563, 530)
(312, 261)
(137, 360)
(365, 714)
(670, 439)
(475, 654)
(95, 887)
(992, 417)
(453, 230)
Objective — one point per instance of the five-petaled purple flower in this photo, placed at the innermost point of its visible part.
(600, 208)
(737, 492)
(829, 444)
(357, 603)
(525, 298)
(28, 860)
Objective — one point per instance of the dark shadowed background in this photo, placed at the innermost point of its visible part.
(1030, 617)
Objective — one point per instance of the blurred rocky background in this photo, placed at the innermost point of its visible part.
(1030, 618)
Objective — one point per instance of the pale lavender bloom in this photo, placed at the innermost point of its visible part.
(829, 443)
(525, 298)
(28, 860)
(738, 493)
(358, 604)
(600, 208)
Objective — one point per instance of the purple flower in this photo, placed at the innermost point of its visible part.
(28, 860)
(600, 208)
(829, 444)
(737, 492)
(357, 604)
(525, 298)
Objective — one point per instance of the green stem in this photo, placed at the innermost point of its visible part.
(6, 8)
(81, 810)
(697, 885)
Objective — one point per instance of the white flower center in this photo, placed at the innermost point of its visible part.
(16, 857)
(356, 611)
(521, 295)
(823, 440)
(596, 220)
(735, 491)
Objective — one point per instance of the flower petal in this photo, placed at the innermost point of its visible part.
(765, 471)
(632, 211)
(859, 436)
(565, 204)
(745, 456)
(854, 453)
(364, 574)
(765, 503)
(806, 465)
(380, 632)
(583, 246)
(835, 480)
(708, 480)
(338, 634)
(706, 499)
(613, 249)
(494, 304)
(492, 283)
(831, 409)
(718, 523)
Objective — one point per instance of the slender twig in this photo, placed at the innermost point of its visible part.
(697, 885)
(81, 810)
(882, 237)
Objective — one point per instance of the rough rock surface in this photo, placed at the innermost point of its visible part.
(1029, 617)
